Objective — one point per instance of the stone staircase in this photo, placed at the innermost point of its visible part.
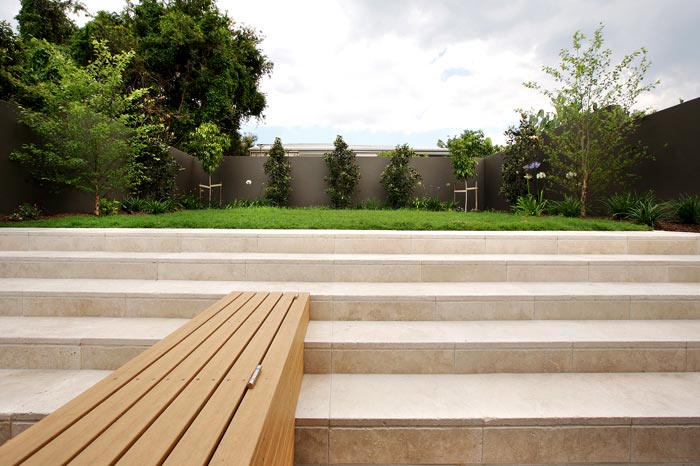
(424, 347)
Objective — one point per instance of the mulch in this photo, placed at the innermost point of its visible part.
(670, 226)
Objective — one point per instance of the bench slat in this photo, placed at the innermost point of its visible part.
(19, 448)
(197, 345)
(264, 405)
(216, 354)
(236, 366)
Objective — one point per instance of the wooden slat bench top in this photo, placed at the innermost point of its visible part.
(186, 400)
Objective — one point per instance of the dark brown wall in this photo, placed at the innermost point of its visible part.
(671, 135)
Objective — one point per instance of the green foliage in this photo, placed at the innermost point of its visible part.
(619, 205)
(244, 144)
(530, 205)
(134, 204)
(524, 146)
(10, 61)
(82, 127)
(279, 174)
(25, 211)
(191, 201)
(205, 67)
(647, 211)
(465, 149)
(686, 209)
(241, 203)
(343, 174)
(48, 19)
(109, 206)
(156, 207)
(399, 178)
(432, 204)
(568, 207)
(208, 144)
(368, 204)
(154, 170)
(594, 105)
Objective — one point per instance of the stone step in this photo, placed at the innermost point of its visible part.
(417, 268)
(342, 242)
(101, 343)
(358, 301)
(505, 346)
(28, 395)
(499, 419)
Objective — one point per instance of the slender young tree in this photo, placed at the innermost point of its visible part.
(594, 103)
(279, 174)
(343, 174)
(399, 178)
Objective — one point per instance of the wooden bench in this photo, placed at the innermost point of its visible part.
(189, 400)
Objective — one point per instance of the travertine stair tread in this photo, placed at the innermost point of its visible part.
(342, 258)
(30, 394)
(334, 241)
(349, 290)
(503, 334)
(364, 400)
(92, 330)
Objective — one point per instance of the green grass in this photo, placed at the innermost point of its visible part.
(320, 218)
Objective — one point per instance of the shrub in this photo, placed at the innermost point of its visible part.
(568, 207)
(109, 206)
(134, 204)
(279, 173)
(238, 203)
(686, 209)
(25, 211)
(399, 178)
(191, 201)
(620, 205)
(154, 206)
(343, 174)
(432, 204)
(530, 205)
(154, 169)
(368, 204)
(647, 211)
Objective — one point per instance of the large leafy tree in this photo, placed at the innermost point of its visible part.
(48, 19)
(201, 66)
(83, 125)
(594, 103)
(343, 174)
(10, 61)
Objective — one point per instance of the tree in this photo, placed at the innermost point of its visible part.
(48, 19)
(524, 147)
(279, 174)
(343, 174)
(594, 104)
(465, 149)
(208, 145)
(399, 178)
(10, 58)
(203, 67)
(83, 125)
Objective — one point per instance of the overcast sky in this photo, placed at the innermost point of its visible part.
(414, 71)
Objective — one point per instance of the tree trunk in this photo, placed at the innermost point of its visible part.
(97, 204)
(209, 190)
(584, 194)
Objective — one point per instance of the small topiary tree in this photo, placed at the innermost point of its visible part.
(279, 173)
(208, 144)
(399, 178)
(343, 174)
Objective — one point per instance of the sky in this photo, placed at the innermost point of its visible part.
(390, 72)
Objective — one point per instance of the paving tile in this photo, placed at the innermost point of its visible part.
(666, 444)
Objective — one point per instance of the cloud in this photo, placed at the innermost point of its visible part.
(417, 69)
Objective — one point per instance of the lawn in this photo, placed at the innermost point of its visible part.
(321, 218)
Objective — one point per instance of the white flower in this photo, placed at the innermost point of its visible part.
(248, 182)
(541, 175)
(528, 176)
(570, 175)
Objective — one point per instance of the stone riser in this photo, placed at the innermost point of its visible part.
(349, 242)
(503, 360)
(362, 271)
(458, 445)
(369, 308)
